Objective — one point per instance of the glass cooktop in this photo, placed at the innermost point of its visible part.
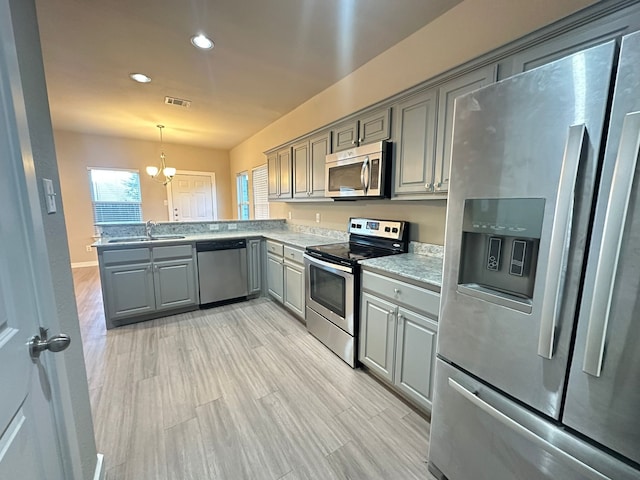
(349, 252)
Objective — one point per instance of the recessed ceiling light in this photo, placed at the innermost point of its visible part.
(202, 41)
(139, 77)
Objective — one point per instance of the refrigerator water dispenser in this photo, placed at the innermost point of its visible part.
(500, 240)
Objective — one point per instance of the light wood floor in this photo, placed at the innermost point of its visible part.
(238, 392)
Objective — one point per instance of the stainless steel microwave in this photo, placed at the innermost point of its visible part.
(358, 172)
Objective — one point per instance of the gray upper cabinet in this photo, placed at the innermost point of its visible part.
(308, 166)
(279, 167)
(574, 40)
(345, 135)
(447, 94)
(414, 143)
(319, 148)
(372, 126)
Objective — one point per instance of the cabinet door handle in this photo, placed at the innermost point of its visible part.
(354, 142)
(427, 186)
(396, 291)
(359, 140)
(390, 314)
(400, 317)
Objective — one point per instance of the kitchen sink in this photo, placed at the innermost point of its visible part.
(144, 239)
(128, 239)
(165, 237)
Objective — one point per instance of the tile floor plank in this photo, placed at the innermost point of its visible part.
(238, 392)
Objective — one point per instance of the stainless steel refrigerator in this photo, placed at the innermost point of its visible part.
(538, 369)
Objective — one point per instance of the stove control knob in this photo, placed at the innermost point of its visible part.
(387, 229)
(394, 230)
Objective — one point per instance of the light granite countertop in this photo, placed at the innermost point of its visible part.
(295, 239)
(423, 270)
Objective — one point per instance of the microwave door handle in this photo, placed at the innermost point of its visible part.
(364, 179)
(560, 239)
(609, 251)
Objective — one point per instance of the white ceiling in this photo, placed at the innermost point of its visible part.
(270, 56)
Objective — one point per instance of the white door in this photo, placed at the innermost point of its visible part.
(29, 448)
(192, 197)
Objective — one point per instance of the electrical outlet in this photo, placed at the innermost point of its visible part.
(317, 217)
(214, 226)
(88, 248)
(232, 226)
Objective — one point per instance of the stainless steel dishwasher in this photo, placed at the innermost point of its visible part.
(222, 270)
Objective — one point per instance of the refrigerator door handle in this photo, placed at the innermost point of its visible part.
(582, 468)
(607, 262)
(560, 239)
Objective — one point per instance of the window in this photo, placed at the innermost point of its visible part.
(260, 192)
(242, 189)
(115, 195)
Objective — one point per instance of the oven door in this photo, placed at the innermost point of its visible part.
(355, 177)
(330, 291)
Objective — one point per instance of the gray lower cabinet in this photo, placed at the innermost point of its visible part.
(398, 332)
(275, 277)
(285, 276)
(377, 335)
(128, 290)
(143, 283)
(372, 126)
(254, 264)
(294, 287)
(175, 284)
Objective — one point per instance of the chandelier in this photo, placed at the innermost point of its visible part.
(168, 172)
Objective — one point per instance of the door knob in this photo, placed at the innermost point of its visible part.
(40, 343)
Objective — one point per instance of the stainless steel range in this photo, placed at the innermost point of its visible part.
(332, 280)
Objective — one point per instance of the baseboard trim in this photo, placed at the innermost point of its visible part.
(100, 470)
(93, 263)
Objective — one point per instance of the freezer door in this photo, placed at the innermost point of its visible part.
(535, 136)
(478, 434)
(603, 395)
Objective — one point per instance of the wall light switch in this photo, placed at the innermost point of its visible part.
(214, 226)
(232, 226)
(289, 214)
(317, 217)
(49, 195)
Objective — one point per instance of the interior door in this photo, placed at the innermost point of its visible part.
(29, 448)
(192, 198)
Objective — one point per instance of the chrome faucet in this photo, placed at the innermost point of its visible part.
(148, 226)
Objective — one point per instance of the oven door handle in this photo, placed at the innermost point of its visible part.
(328, 265)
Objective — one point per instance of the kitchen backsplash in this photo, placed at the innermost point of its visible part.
(426, 249)
(323, 232)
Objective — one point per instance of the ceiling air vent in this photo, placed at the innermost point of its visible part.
(178, 102)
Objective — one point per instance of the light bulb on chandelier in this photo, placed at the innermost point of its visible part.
(168, 172)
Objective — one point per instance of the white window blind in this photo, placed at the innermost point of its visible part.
(115, 195)
(259, 180)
